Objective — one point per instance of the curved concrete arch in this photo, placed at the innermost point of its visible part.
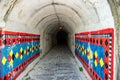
(45, 18)
(53, 27)
(54, 21)
(58, 4)
(56, 14)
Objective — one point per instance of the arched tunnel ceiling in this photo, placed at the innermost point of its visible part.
(63, 20)
(41, 13)
(54, 28)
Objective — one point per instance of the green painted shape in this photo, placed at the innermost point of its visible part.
(81, 69)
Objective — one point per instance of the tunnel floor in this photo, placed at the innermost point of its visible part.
(58, 64)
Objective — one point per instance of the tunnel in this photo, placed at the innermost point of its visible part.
(59, 40)
(61, 37)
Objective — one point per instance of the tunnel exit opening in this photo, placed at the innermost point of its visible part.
(62, 37)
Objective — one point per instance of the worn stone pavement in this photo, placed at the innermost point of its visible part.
(58, 64)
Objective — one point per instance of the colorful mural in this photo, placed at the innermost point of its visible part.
(16, 52)
(95, 50)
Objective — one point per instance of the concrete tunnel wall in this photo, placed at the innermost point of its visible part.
(46, 16)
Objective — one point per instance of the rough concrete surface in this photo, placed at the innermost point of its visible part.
(58, 64)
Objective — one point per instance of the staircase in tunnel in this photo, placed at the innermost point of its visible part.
(58, 64)
(59, 40)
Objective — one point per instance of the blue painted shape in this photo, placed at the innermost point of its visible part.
(100, 49)
(16, 48)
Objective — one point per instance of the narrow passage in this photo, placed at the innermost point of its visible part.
(58, 64)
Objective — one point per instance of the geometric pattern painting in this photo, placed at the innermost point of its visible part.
(95, 50)
(17, 50)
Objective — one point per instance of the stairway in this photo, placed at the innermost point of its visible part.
(58, 64)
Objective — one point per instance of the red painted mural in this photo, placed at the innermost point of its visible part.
(17, 51)
(95, 49)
